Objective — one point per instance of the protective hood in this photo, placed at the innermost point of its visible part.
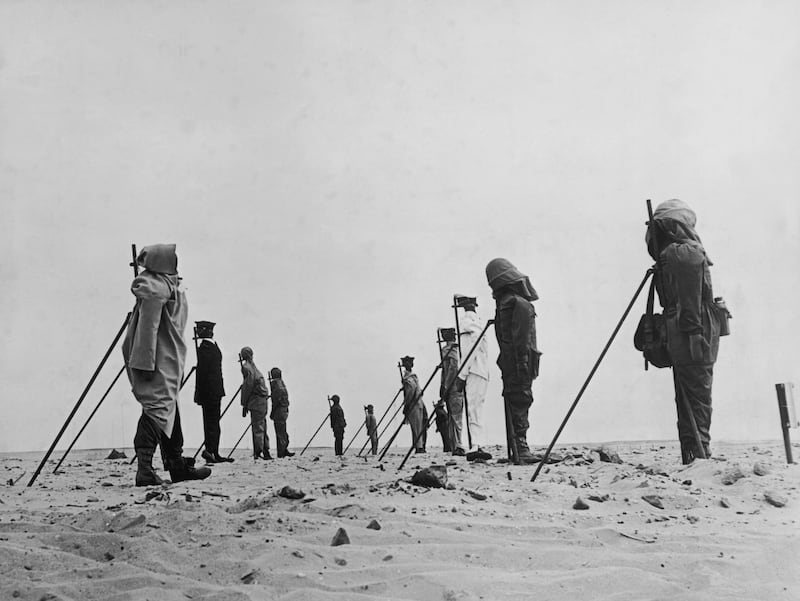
(675, 222)
(159, 258)
(501, 273)
(275, 373)
(246, 353)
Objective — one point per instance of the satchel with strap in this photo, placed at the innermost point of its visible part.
(651, 334)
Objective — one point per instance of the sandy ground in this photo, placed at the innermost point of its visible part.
(87, 533)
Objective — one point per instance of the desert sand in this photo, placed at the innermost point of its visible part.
(722, 529)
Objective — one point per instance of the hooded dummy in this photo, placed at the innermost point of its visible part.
(515, 326)
(154, 349)
(685, 288)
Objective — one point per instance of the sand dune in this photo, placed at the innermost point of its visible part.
(653, 529)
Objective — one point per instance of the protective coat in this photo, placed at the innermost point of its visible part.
(154, 339)
(412, 408)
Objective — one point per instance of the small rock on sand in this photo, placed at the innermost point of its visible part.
(732, 475)
(580, 504)
(291, 493)
(760, 468)
(374, 525)
(434, 476)
(340, 538)
(654, 500)
(774, 498)
(608, 455)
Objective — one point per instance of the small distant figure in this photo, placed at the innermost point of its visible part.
(412, 404)
(443, 424)
(372, 428)
(452, 389)
(693, 319)
(338, 424)
(280, 412)
(155, 353)
(254, 402)
(476, 374)
(209, 389)
(515, 329)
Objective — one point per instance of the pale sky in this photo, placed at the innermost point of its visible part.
(333, 171)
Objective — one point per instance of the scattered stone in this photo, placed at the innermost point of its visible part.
(450, 486)
(115, 454)
(434, 476)
(724, 502)
(599, 499)
(476, 495)
(249, 578)
(373, 525)
(580, 504)
(338, 489)
(387, 558)
(731, 475)
(340, 538)
(654, 500)
(288, 492)
(340, 561)
(509, 475)
(608, 455)
(775, 499)
(686, 483)
(298, 554)
(655, 470)
(692, 519)
(760, 468)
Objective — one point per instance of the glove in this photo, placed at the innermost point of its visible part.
(697, 347)
(244, 411)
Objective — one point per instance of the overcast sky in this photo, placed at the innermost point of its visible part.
(333, 171)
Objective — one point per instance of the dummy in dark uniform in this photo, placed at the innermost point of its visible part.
(338, 423)
(209, 388)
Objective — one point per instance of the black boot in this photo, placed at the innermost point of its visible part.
(180, 470)
(208, 456)
(220, 459)
(144, 442)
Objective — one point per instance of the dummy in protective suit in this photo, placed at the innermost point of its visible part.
(451, 389)
(413, 408)
(280, 411)
(154, 353)
(254, 401)
(515, 329)
(692, 319)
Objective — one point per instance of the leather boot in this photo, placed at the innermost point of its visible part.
(524, 453)
(180, 470)
(145, 474)
(144, 443)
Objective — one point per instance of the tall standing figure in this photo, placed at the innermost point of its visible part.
(209, 389)
(451, 389)
(692, 319)
(254, 401)
(515, 328)
(476, 373)
(412, 404)
(280, 411)
(155, 353)
(372, 428)
(338, 424)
